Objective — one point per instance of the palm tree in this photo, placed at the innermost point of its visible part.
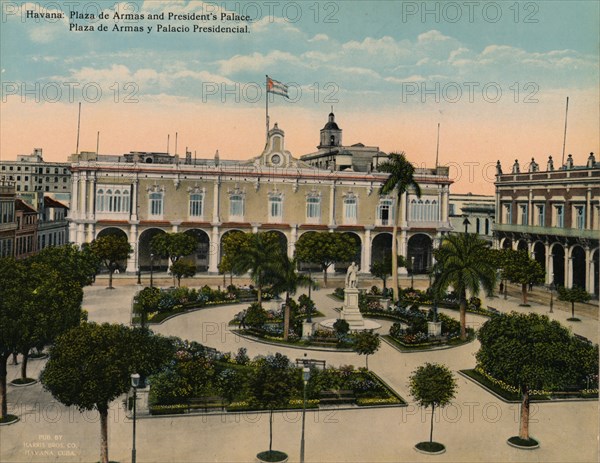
(260, 259)
(461, 262)
(400, 180)
(287, 279)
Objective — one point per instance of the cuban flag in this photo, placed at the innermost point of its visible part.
(276, 87)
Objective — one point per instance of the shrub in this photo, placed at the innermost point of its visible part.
(341, 328)
(242, 356)
(256, 316)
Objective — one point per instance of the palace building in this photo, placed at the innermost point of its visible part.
(555, 216)
(139, 195)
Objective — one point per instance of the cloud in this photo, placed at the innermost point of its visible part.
(257, 62)
(319, 38)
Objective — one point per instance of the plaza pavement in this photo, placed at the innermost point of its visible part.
(474, 428)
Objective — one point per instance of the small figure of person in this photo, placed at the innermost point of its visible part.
(501, 287)
(352, 276)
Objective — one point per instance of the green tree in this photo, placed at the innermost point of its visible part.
(366, 343)
(273, 385)
(182, 269)
(287, 279)
(256, 316)
(573, 295)
(146, 302)
(50, 305)
(12, 276)
(519, 268)
(233, 244)
(461, 263)
(325, 249)
(529, 352)
(341, 328)
(174, 246)
(110, 249)
(400, 180)
(90, 366)
(79, 265)
(262, 258)
(432, 385)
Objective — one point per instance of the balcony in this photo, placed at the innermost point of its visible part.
(553, 231)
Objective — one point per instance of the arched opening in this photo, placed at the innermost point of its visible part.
(122, 264)
(283, 242)
(539, 254)
(419, 253)
(506, 243)
(200, 257)
(381, 247)
(578, 266)
(228, 232)
(558, 264)
(522, 245)
(144, 259)
(343, 266)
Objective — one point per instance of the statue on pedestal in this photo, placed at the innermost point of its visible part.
(352, 276)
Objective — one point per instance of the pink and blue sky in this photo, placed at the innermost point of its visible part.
(495, 75)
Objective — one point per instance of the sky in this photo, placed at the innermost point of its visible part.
(494, 75)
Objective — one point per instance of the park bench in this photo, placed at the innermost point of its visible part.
(206, 402)
(336, 397)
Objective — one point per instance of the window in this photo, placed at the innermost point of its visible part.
(236, 205)
(451, 209)
(424, 210)
(156, 203)
(196, 203)
(580, 217)
(560, 216)
(313, 208)
(112, 200)
(477, 225)
(384, 211)
(523, 215)
(350, 209)
(487, 226)
(507, 213)
(275, 207)
(541, 216)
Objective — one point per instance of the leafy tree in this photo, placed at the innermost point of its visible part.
(529, 352)
(173, 246)
(401, 179)
(146, 302)
(366, 343)
(573, 295)
(519, 268)
(50, 305)
(432, 385)
(325, 249)
(287, 279)
(255, 316)
(230, 382)
(262, 258)
(79, 265)
(182, 269)
(12, 276)
(461, 263)
(110, 249)
(233, 244)
(341, 328)
(273, 385)
(90, 366)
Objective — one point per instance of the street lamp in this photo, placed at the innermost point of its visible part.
(139, 276)
(135, 382)
(151, 270)
(412, 272)
(305, 378)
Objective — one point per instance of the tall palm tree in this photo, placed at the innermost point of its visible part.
(461, 262)
(287, 279)
(260, 258)
(400, 180)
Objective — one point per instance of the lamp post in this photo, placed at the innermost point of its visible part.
(135, 382)
(139, 276)
(305, 378)
(151, 270)
(412, 272)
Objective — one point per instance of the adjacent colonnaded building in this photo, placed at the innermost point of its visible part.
(554, 215)
(140, 194)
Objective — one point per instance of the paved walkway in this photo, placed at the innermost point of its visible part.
(474, 428)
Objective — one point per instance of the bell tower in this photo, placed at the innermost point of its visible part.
(331, 134)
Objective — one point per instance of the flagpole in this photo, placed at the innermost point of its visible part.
(565, 135)
(267, 105)
(437, 150)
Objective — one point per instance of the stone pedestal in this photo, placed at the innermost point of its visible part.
(385, 303)
(350, 311)
(307, 330)
(434, 329)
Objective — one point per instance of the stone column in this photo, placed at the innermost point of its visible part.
(216, 200)
(568, 268)
(366, 254)
(134, 258)
(589, 269)
(549, 265)
(74, 213)
(215, 251)
(91, 215)
(292, 242)
(332, 205)
(135, 186)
